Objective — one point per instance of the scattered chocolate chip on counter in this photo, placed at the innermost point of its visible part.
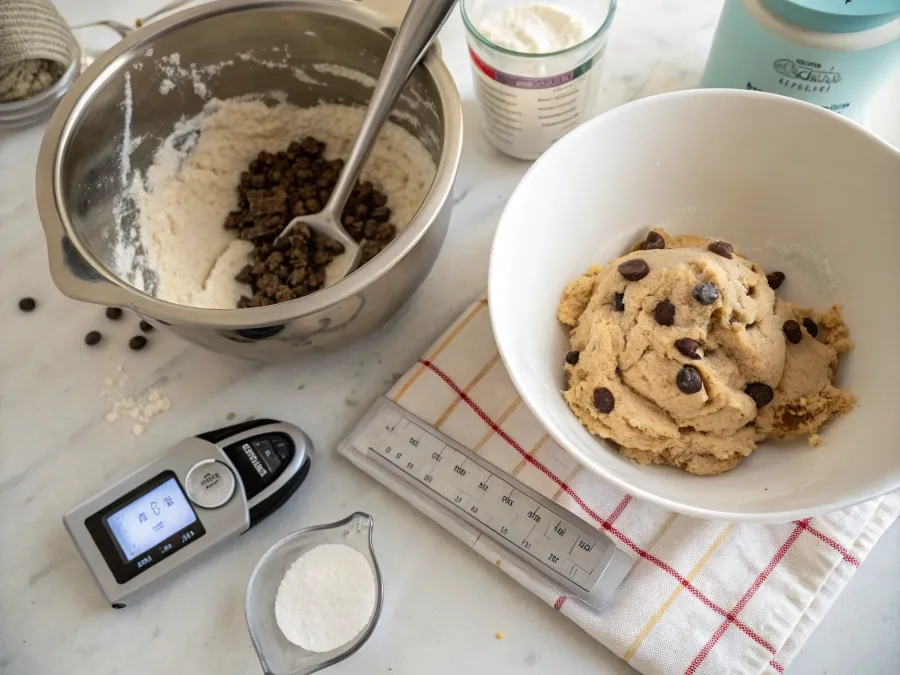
(297, 182)
(113, 313)
(27, 304)
(93, 338)
(137, 342)
(146, 327)
(775, 279)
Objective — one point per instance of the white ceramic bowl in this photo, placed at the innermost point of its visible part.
(798, 189)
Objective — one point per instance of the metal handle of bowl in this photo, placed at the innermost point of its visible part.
(77, 279)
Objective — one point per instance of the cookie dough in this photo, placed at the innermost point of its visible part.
(682, 355)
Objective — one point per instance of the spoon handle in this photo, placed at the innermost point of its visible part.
(421, 24)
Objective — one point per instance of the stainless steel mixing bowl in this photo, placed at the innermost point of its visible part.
(80, 175)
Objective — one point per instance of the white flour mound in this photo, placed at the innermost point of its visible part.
(325, 598)
(191, 188)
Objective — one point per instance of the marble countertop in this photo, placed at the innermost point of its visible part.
(56, 446)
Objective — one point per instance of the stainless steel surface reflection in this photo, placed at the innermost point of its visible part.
(79, 173)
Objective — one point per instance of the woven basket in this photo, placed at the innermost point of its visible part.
(34, 29)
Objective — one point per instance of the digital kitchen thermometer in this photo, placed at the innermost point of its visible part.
(463, 486)
(202, 492)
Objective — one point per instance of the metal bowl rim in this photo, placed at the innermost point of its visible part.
(49, 169)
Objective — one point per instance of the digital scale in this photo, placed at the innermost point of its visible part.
(210, 488)
(202, 492)
(460, 486)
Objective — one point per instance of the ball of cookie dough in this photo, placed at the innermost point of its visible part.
(674, 405)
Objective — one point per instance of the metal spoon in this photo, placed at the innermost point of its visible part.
(124, 29)
(420, 25)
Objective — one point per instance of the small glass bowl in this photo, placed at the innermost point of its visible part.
(277, 655)
(21, 114)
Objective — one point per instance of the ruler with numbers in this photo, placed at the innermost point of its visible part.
(540, 533)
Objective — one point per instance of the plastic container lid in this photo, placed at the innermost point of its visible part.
(836, 16)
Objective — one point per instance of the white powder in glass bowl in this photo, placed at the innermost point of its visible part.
(192, 186)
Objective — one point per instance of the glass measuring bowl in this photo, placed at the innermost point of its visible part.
(529, 101)
(277, 655)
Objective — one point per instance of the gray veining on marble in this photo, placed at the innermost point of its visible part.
(56, 446)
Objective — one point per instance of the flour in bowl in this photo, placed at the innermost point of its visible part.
(190, 189)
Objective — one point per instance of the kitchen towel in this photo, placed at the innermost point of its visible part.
(704, 597)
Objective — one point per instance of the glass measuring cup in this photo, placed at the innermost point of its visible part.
(277, 655)
(529, 101)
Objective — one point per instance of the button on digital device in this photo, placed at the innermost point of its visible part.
(198, 494)
(210, 483)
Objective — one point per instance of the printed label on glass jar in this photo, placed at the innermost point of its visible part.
(523, 116)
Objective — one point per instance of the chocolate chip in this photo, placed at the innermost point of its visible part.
(664, 313)
(810, 326)
(604, 401)
(572, 357)
(653, 240)
(761, 394)
(145, 327)
(689, 380)
(27, 304)
(93, 337)
(688, 347)
(619, 302)
(722, 248)
(706, 293)
(634, 269)
(792, 331)
(113, 313)
(137, 342)
(775, 279)
(297, 181)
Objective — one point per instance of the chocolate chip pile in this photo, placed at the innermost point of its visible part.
(298, 182)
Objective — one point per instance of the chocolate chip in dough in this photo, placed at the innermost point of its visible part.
(619, 302)
(145, 327)
(792, 331)
(688, 347)
(722, 248)
(27, 304)
(634, 269)
(688, 380)
(761, 394)
(706, 293)
(664, 313)
(137, 342)
(572, 357)
(810, 326)
(92, 338)
(775, 279)
(604, 401)
(654, 240)
(113, 313)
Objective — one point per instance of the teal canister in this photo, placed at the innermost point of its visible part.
(833, 53)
